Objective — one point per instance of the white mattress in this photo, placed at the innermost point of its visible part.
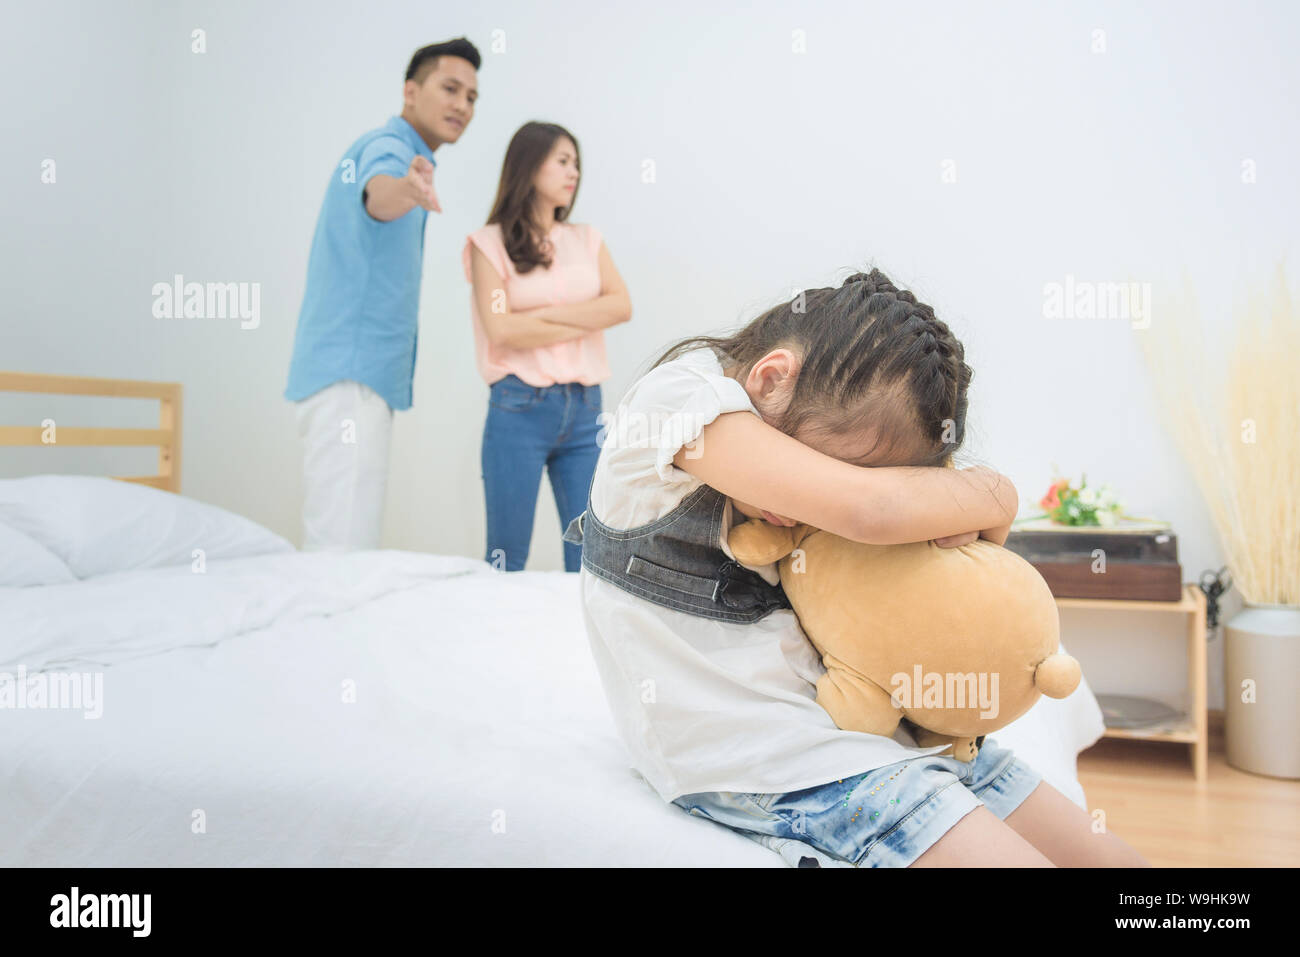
(479, 734)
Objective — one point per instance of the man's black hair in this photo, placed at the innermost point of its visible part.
(460, 47)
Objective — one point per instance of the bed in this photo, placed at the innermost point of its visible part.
(263, 706)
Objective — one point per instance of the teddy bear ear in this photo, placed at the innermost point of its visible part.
(1057, 675)
(757, 542)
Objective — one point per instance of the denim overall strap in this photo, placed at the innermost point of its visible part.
(676, 561)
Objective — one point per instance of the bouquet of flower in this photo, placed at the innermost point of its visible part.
(1082, 505)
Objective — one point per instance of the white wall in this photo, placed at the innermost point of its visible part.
(774, 170)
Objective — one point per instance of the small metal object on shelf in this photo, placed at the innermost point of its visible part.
(1125, 711)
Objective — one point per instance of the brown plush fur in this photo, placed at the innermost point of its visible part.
(875, 612)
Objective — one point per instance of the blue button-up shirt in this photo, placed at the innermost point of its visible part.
(359, 317)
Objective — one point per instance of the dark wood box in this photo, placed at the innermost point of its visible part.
(1139, 565)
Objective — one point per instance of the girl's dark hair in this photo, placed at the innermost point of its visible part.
(513, 206)
(871, 356)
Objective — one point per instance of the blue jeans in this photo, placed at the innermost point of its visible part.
(528, 428)
(884, 818)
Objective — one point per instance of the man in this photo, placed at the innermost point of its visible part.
(354, 351)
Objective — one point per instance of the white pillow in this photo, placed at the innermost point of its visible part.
(99, 525)
(25, 561)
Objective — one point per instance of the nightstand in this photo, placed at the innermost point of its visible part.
(1189, 729)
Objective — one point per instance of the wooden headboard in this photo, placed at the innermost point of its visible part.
(167, 437)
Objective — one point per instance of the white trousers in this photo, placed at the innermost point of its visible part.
(345, 429)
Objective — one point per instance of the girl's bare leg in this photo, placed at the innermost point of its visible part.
(980, 839)
(1063, 831)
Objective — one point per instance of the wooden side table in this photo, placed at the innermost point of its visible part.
(1191, 728)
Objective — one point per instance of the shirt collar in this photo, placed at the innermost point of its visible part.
(406, 131)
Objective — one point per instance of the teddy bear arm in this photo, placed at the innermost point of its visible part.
(857, 704)
(757, 542)
(964, 749)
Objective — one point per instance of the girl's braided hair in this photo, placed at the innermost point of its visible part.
(872, 355)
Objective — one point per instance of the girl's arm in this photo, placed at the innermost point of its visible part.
(512, 330)
(745, 458)
(611, 307)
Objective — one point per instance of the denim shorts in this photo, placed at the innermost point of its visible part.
(884, 818)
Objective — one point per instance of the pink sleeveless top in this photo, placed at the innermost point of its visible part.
(573, 276)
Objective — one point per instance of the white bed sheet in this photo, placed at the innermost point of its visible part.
(479, 734)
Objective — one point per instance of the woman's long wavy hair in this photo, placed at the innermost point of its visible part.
(872, 356)
(513, 206)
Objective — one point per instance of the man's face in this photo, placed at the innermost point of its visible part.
(443, 104)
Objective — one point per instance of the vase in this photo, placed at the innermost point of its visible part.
(1261, 683)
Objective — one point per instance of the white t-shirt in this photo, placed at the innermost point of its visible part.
(705, 705)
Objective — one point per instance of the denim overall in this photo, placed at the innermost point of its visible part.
(676, 561)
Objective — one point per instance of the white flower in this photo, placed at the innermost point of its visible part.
(1106, 517)
(1088, 496)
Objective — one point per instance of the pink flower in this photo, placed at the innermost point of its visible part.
(1053, 497)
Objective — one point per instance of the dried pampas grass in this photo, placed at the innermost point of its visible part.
(1234, 408)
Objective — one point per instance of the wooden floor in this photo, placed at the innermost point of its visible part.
(1151, 800)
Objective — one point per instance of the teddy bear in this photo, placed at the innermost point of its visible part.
(958, 641)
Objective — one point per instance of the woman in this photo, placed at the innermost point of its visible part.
(544, 289)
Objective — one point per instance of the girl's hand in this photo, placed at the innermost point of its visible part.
(952, 541)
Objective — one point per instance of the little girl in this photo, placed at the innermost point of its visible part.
(708, 675)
